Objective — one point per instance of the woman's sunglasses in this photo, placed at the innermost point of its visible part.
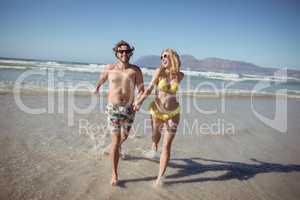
(164, 56)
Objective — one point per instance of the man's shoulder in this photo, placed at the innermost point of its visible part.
(135, 67)
(110, 66)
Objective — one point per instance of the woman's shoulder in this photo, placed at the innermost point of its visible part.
(159, 71)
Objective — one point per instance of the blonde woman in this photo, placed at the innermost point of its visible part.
(165, 109)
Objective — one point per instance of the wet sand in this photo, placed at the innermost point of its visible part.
(42, 157)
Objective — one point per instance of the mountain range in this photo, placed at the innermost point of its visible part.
(189, 62)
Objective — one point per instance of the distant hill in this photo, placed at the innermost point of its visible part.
(150, 61)
(189, 62)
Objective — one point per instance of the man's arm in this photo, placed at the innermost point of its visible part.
(147, 92)
(102, 78)
(140, 82)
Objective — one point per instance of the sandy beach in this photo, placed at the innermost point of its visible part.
(43, 157)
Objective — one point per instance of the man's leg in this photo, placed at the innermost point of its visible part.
(125, 130)
(114, 154)
(124, 136)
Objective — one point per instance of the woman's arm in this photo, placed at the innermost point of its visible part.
(177, 76)
(180, 77)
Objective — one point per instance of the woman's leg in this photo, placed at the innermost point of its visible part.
(166, 150)
(156, 131)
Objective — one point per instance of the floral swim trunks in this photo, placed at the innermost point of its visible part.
(119, 117)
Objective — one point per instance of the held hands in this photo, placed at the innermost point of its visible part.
(96, 91)
(137, 103)
(136, 106)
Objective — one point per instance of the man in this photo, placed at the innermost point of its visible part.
(123, 78)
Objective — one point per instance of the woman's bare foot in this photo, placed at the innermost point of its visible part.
(114, 180)
(159, 182)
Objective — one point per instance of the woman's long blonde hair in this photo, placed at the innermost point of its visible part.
(174, 59)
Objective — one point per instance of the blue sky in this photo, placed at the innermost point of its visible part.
(263, 32)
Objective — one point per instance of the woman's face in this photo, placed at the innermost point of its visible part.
(165, 60)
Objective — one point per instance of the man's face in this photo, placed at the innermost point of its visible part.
(123, 53)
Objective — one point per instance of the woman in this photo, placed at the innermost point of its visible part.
(165, 109)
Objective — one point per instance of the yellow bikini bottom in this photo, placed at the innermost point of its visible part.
(162, 116)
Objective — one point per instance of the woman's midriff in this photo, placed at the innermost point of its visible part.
(166, 102)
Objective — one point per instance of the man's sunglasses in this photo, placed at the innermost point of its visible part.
(128, 51)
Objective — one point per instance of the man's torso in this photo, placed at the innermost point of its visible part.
(122, 84)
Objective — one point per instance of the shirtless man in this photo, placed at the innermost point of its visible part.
(123, 78)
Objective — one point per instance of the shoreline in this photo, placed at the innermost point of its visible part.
(199, 94)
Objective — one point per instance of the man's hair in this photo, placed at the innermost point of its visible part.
(123, 43)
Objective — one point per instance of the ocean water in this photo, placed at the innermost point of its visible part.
(45, 156)
(35, 75)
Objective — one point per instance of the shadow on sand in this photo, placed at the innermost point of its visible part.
(188, 167)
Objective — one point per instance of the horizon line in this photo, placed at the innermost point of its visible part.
(102, 63)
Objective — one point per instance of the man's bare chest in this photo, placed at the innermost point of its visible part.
(122, 76)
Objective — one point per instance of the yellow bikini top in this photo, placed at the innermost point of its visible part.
(164, 86)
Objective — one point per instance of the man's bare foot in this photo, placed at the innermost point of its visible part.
(154, 147)
(114, 180)
(106, 150)
(123, 154)
(152, 154)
